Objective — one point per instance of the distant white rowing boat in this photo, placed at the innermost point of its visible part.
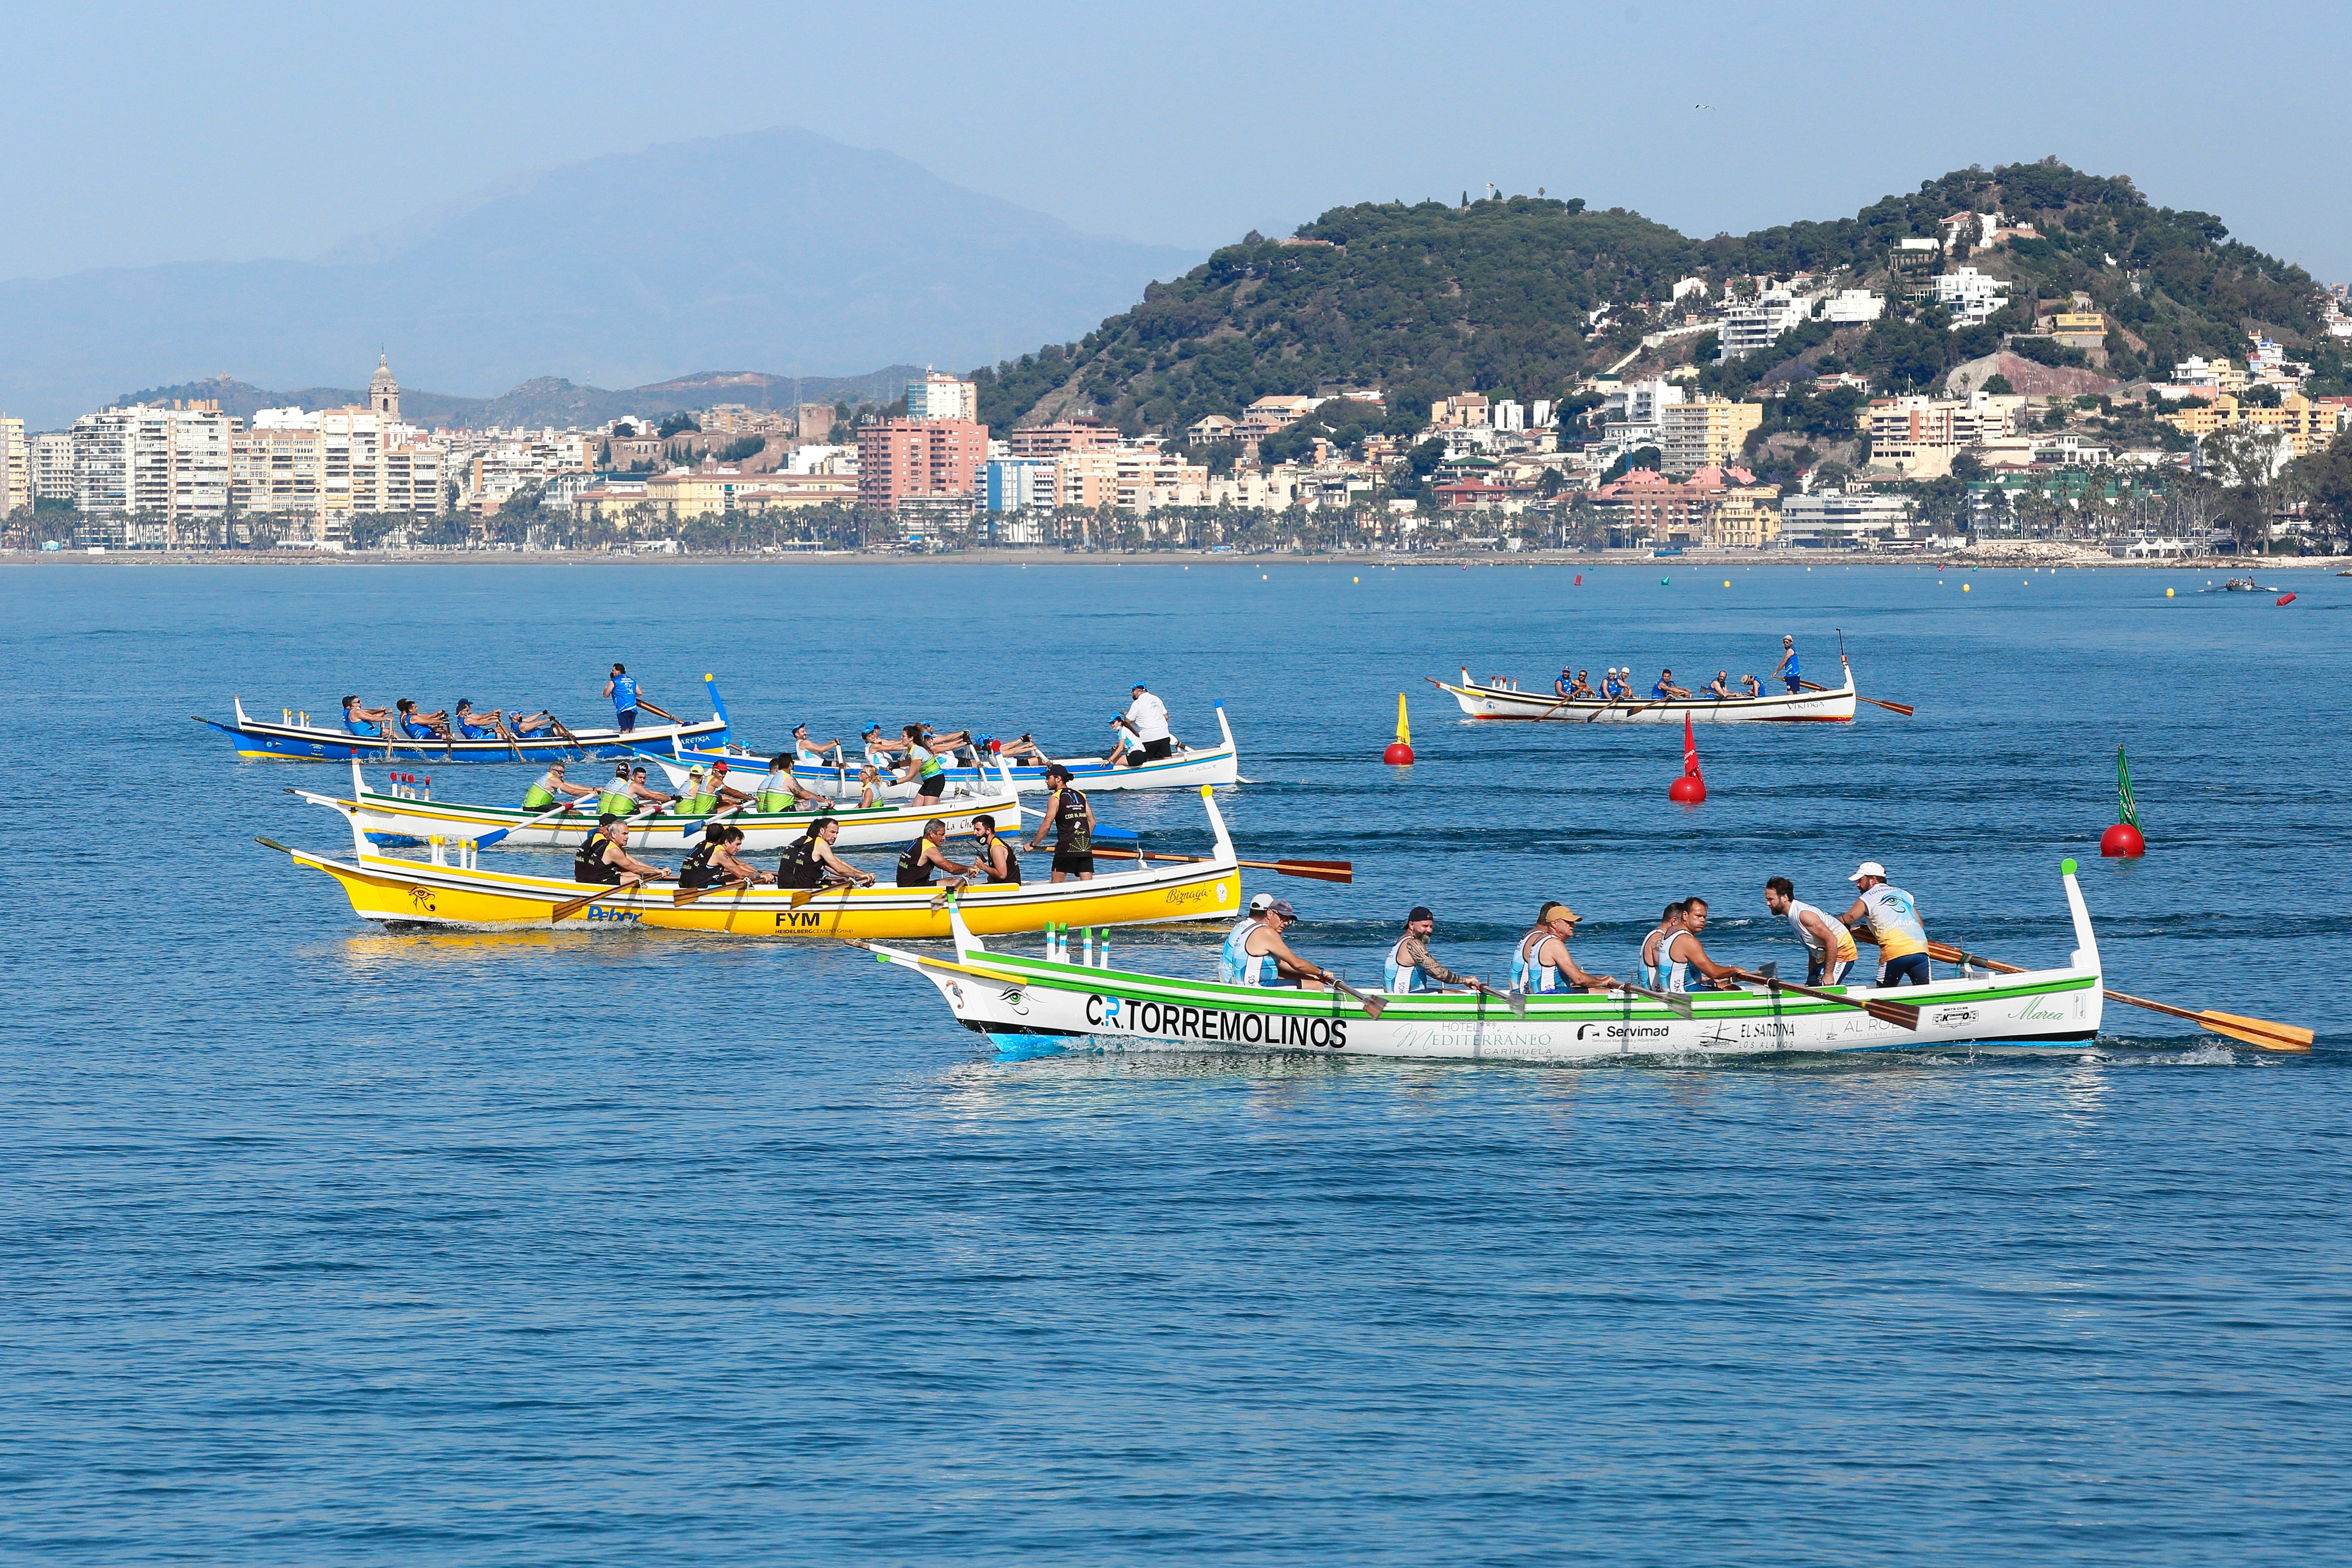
(1499, 699)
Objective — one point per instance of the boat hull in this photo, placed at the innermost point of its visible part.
(1016, 1000)
(1834, 707)
(1217, 766)
(399, 819)
(263, 741)
(412, 892)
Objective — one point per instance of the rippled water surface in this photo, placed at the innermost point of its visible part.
(329, 1245)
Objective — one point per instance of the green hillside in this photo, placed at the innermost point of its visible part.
(1495, 296)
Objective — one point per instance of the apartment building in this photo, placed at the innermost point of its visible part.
(2079, 329)
(1832, 520)
(2308, 427)
(53, 466)
(164, 463)
(1707, 433)
(1019, 484)
(937, 396)
(333, 464)
(1132, 479)
(1971, 296)
(1752, 325)
(1061, 435)
(1919, 436)
(900, 459)
(16, 468)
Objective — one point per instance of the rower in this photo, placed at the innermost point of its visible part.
(551, 787)
(726, 794)
(1229, 957)
(1410, 963)
(695, 798)
(622, 688)
(1564, 687)
(1266, 960)
(358, 717)
(924, 761)
(1754, 686)
(616, 800)
(924, 855)
(1786, 668)
(1719, 688)
(1543, 963)
(605, 856)
(782, 792)
(1024, 747)
(1581, 686)
(1679, 953)
(644, 794)
(1146, 719)
(808, 861)
(480, 726)
(1666, 689)
(992, 859)
(1893, 916)
(1073, 822)
(807, 751)
(713, 862)
(421, 726)
(1669, 923)
(525, 725)
(1829, 946)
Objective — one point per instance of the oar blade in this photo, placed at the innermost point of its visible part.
(2260, 1032)
(1373, 1006)
(1316, 871)
(1903, 708)
(1902, 1015)
(486, 839)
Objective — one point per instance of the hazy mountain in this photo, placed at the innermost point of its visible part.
(550, 400)
(777, 249)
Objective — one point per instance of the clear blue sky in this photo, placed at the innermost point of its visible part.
(144, 134)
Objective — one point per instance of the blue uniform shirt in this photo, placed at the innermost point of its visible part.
(624, 694)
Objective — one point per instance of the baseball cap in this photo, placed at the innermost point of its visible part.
(1138, 686)
(1056, 770)
(1419, 912)
(718, 767)
(1282, 907)
(1867, 868)
(1260, 902)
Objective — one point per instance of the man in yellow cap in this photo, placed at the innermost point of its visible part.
(1542, 963)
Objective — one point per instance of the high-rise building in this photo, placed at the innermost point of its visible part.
(1064, 436)
(165, 463)
(16, 468)
(937, 396)
(331, 463)
(53, 466)
(898, 458)
(1707, 433)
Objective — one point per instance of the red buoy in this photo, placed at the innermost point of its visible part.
(1399, 751)
(2286, 598)
(2121, 842)
(1691, 788)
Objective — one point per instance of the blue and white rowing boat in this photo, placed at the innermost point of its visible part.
(1182, 769)
(298, 740)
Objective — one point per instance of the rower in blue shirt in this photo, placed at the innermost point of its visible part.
(1666, 689)
(361, 720)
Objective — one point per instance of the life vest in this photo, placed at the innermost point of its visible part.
(1528, 976)
(590, 866)
(538, 797)
(697, 870)
(914, 871)
(616, 800)
(1071, 834)
(772, 800)
(930, 766)
(800, 867)
(1403, 977)
(1236, 966)
(1012, 865)
(698, 804)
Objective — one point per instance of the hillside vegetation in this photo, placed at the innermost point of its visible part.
(1522, 295)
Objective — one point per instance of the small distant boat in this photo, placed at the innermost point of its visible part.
(2243, 586)
(1833, 704)
(1022, 1004)
(300, 741)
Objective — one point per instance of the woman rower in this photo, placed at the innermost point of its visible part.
(809, 860)
(869, 787)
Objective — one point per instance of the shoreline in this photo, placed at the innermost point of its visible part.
(2025, 554)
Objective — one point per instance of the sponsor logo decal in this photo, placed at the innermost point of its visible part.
(620, 917)
(1947, 1016)
(422, 898)
(2038, 1010)
(797, 919)
(1214, 1025)
(1623, 1031)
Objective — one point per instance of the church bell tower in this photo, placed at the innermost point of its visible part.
(383, 392)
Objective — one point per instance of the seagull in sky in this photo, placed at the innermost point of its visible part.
(1702, 106)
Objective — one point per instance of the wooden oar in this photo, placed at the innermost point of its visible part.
(574, 804)
(1373, 1005)
(1515, 1000)
(1677, 1002)
(686, 896)
(660, 712)
(1604, 707)
(2259, 1032)
(578, 751)
(1903, 708)
(1902, 1015)
(1314, 870)
(566, 910)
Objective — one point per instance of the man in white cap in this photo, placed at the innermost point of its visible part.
(1892, 917)
(1146, 719)
(1229, 960)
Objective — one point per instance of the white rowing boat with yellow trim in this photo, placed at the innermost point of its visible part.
(459, 891)
(403, 816)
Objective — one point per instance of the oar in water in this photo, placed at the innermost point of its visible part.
(1515, 1000)
(579, 751)
(1677, 1002)
(1315, 870)
(1903, 708)
(2259, 1032)
(1373, 1005)
(1902, 1015)
(566, 910)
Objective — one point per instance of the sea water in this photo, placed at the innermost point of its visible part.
(325, 1244)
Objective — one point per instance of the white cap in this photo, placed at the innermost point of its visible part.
(1868, 868)
(1260, 903)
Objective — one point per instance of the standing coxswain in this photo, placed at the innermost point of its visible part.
(622, 688)
(1071, 821)
(1786, 668)
(1829, 947)
(1542, 962)
(1892, 918)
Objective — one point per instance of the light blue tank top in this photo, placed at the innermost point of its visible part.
(1536, 977)
(1235, 966)
(1405, 976)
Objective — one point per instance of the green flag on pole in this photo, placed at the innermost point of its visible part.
(2125, 810)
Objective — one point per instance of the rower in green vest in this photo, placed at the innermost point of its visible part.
(551, 788)
(616, 800)
(780, 792)
(698, 800)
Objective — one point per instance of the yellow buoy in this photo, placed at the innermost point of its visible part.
(1964, 587)
(1727, 581)
(1355, 579)
(2168, 593)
